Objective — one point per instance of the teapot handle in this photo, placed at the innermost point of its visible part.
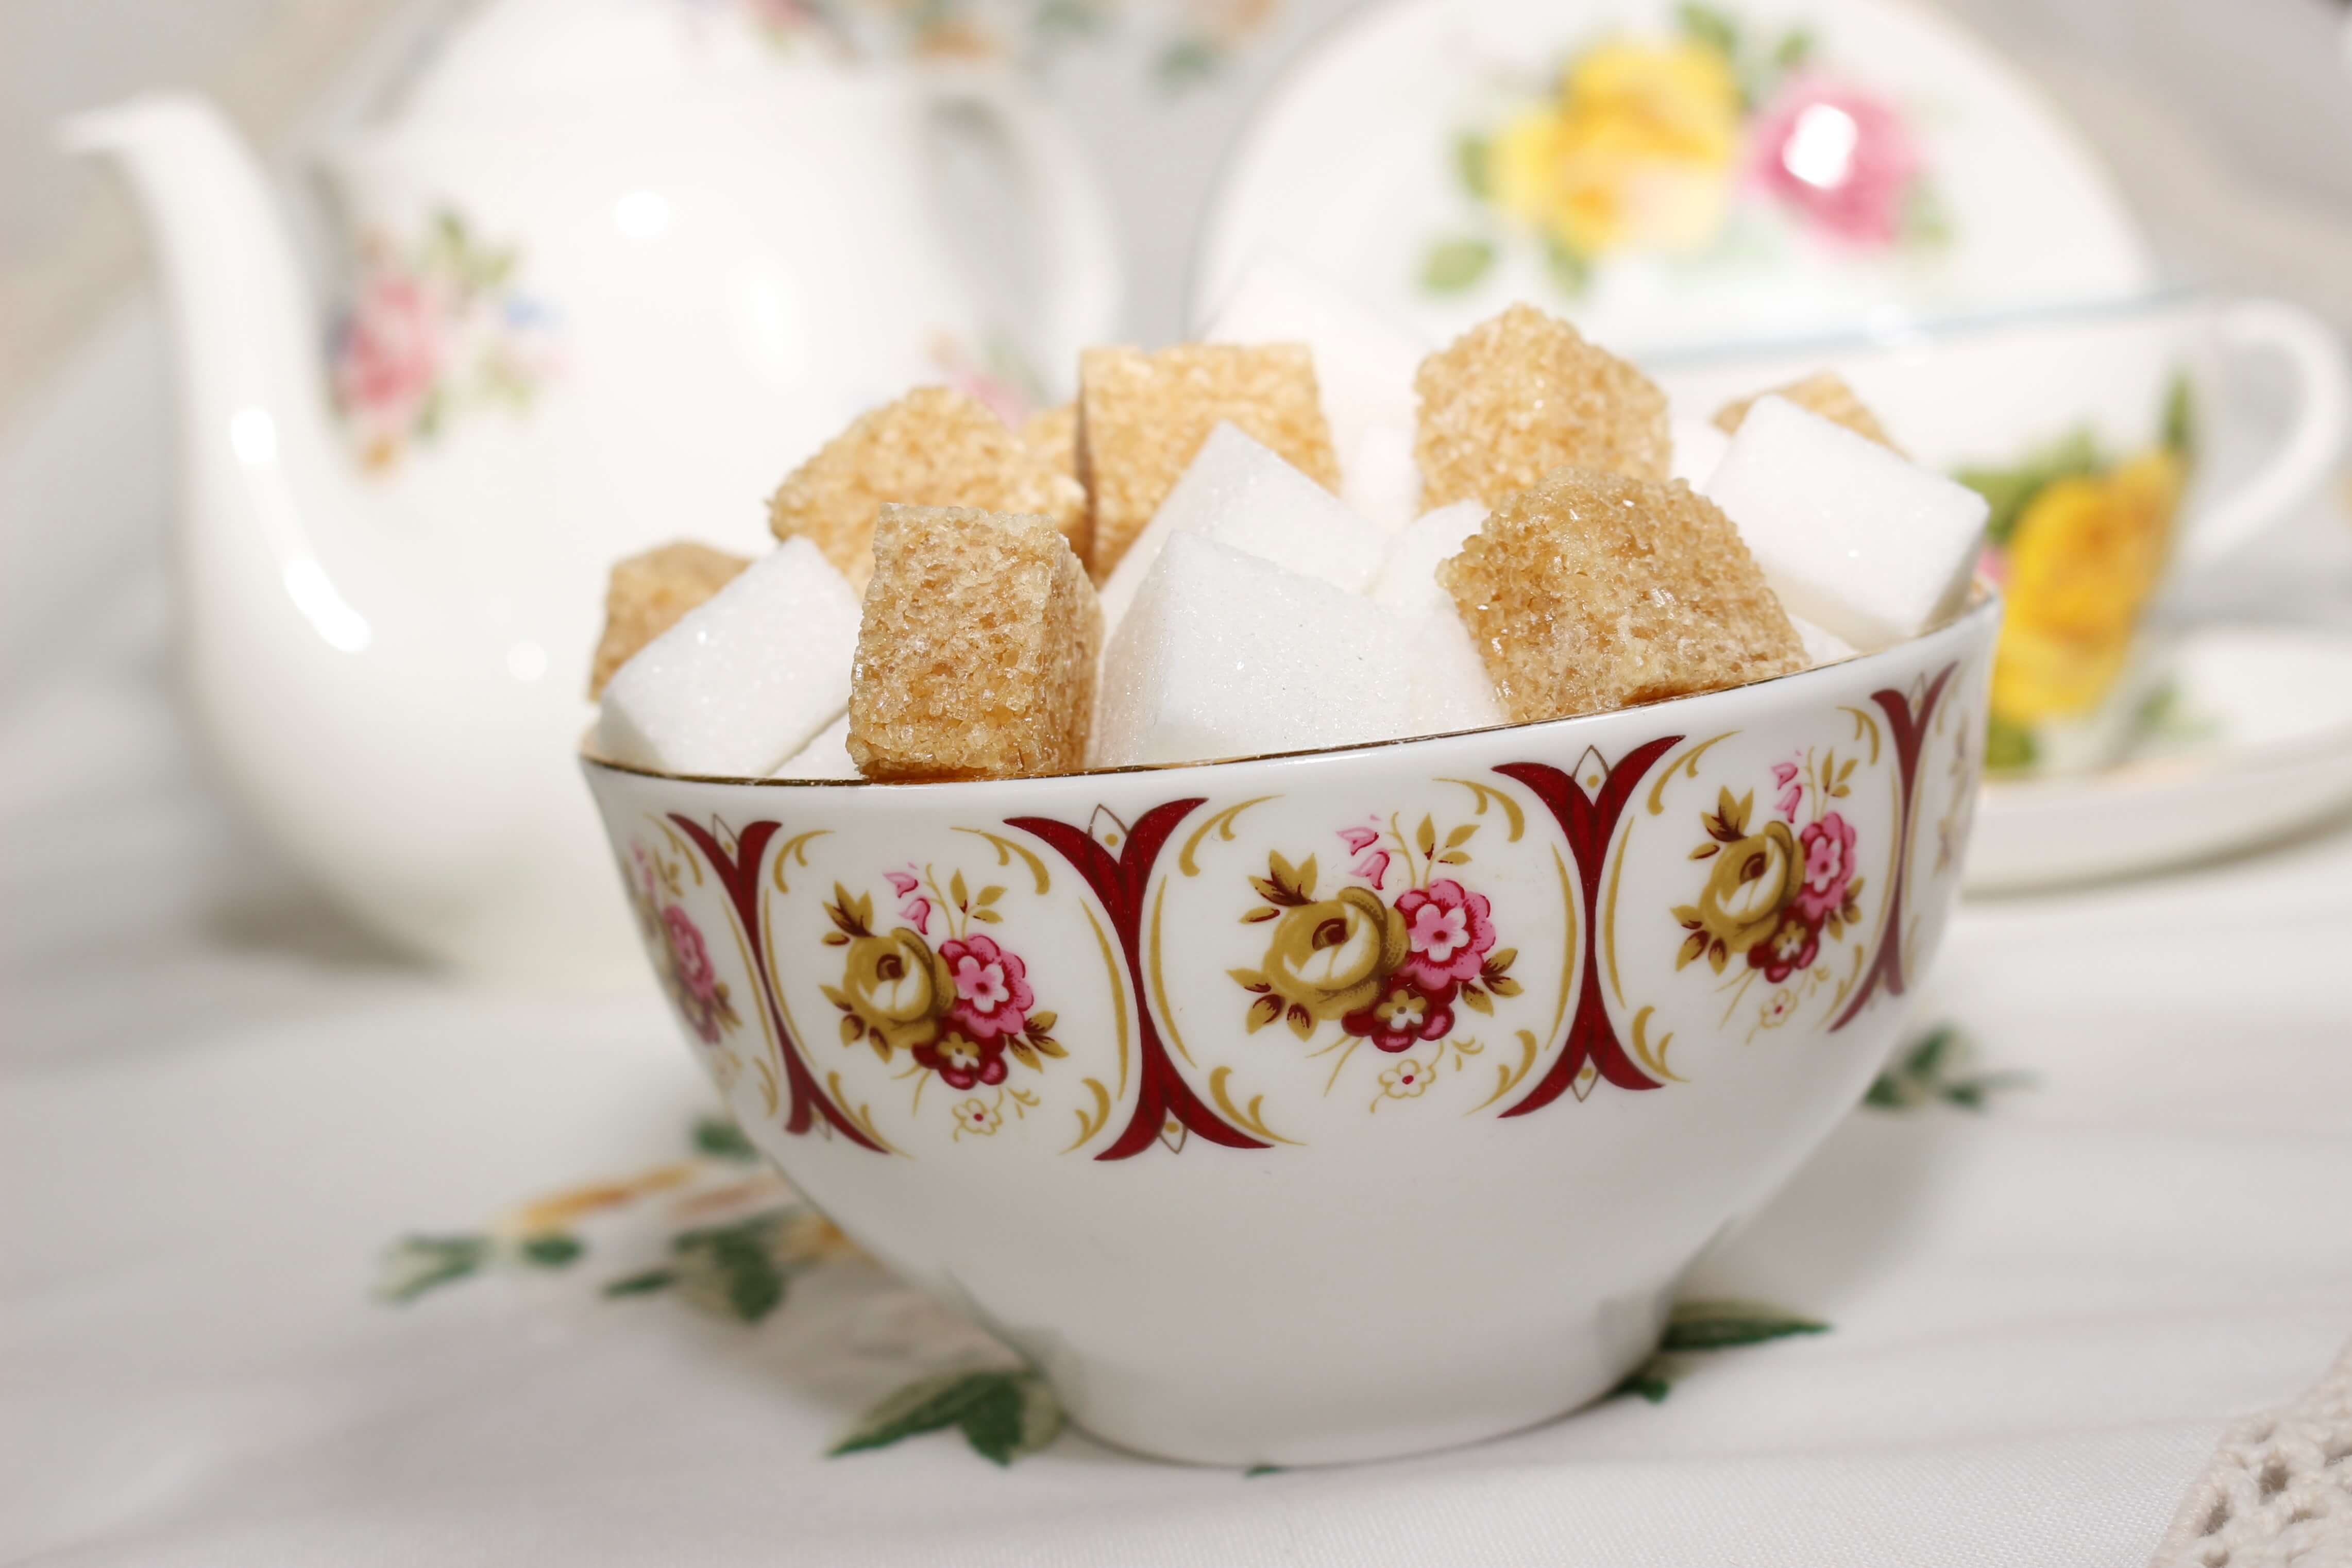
(1081, 295)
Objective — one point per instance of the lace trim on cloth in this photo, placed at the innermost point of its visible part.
(2279, 1491)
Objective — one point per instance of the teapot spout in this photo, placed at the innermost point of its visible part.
(260, 470)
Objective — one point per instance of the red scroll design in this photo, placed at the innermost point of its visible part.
(1589, 822)
(1908, 725)
(1120, 882)
(738, 873)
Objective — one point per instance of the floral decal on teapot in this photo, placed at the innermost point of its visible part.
(1389, 972)
(436, 328)
(961, 1012)
(1780, 892)
(1696, 142)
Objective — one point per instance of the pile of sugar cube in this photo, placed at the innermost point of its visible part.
(1301, 532)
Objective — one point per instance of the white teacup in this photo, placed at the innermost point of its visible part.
(2103, 440)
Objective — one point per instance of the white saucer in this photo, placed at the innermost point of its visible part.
(1355, 169)
(2258, 745)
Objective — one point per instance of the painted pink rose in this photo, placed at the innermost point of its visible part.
(1839, 156)
(1793, 946)
(689, 957)
(993, 993)
(1403, 1014)
(961, 1061)
(389, 354)
(1828, 848)
(1447, 935)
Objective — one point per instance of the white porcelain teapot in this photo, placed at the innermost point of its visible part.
(619, 265)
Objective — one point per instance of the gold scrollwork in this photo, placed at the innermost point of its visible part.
(1686, 764)
(1223, 824)
(1091, 1123)
(795, 849)
(1006, 849)
(1248, 1120)
(858, 1113)
(1481, 793)
(1507, 1076)
(1116, 971)
(1652, 1057)
(678, 847)
(1864, 723)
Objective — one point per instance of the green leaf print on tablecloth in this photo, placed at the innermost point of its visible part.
(1003, 1412)
(1705, 1326)
(733, 1236)
(1940, 1068)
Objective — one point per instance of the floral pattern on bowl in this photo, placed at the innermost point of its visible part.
(436, 329)
(1415, 951)
(1688, 145)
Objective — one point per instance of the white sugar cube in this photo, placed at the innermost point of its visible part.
(1699, 446)
(1451, 689)
(1364, 365)
(745, 678)
(1378, 479)
(1822, 646)
(826, 757)
(1239, 494)
(1852, 538)
(1225, 654)
(1408, 579)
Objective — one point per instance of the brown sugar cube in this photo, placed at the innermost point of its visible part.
(1823, 392)
(649, 593)
(1593, 591)
(1141, 418)
(1522, 394)
(976, 653)
(1053, 434)
(934, 447)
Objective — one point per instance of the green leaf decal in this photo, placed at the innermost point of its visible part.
(1571, 273)
(1454, 265)
(733, 1266)
(2180, 419)
(642, 1284)
(1473, 160)
(1706, 25)
(558, 1250)
(1721, 1325)
(719, 1138)
(1939, 1067)
(2008, 491)
(2010, 746)
(1003, 1412)
(416, 1264)
(1648, 1380)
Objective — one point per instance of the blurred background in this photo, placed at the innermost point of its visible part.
(320, 429)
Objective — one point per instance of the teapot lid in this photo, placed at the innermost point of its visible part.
(497, 55)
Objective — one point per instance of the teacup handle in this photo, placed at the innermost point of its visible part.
(1080, 295)
(2313, 442)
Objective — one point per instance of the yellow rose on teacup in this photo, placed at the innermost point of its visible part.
(2088, 552)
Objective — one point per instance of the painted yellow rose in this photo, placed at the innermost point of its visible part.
(1634, 154)
(1329, 957)
(2084, 558)
(1753, 880)
(894, 991)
